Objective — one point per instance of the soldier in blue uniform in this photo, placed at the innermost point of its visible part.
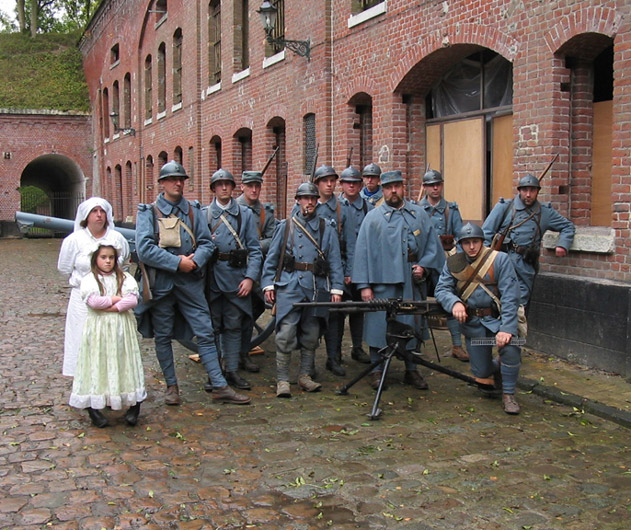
(480, 289)
(172, 240)
(303, 264)
(447, 221)
(396, 250)
(251, 182)
(351, 181)
(372, 190)
(522, 221)
(339, 216)
(232, 276)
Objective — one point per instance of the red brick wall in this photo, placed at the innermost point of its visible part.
(26, 136)
(394, 58)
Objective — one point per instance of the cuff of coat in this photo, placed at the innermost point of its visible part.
(337, 291)
(268, 288)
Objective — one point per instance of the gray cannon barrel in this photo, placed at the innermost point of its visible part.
(29, 220)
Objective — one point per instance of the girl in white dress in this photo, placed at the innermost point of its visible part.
(109, 370)
(93, 223)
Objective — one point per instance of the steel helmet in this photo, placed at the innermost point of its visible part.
(432, 177)
(307, 189)
(469, 231)
(324, 171)
(221, 174)
(350, 174)
(372, 169)
(172, 169)
(529, 181)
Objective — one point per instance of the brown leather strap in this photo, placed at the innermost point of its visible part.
(303, 266)
(480, 312)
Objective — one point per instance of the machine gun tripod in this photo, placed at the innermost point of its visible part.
(398, 334)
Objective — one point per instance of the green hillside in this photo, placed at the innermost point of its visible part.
(42, 73)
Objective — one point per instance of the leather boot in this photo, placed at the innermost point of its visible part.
(235, 380)
(335, 367)
(359, 355)
(412, 377)
(131, 416)
(172, 395)
(247, 364)
(375, 379)
(283, 390)
(308, 384)
(510, 404)
(458, 352)
(208, 385)
(226, 394)
(98, 420)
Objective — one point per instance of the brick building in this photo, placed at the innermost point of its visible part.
(484, 91)
(49, 150)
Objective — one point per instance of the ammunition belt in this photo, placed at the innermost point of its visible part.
(512, 247)
(303, 266)
(223, 256)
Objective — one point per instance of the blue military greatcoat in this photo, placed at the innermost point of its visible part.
(264, 219)
(300, 286)
(388, 239)
(529, 226)
(445, 216)
(224, 279)
(339, 215)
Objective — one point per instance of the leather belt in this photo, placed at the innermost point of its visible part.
(303, 266)
(412, 257)
(480, 311)
(223, 256)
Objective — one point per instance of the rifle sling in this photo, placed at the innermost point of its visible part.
(283, 249)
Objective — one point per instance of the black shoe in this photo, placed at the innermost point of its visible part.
(208, 386)
(247, 364)
(98, 420)
(412, 377)
(235, 380)
(334, 366)
(131, 416)
(359, 355)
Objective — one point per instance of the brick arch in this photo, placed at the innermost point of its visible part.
(601, 20)
(471, 35)
(275, 111)
(362, 83)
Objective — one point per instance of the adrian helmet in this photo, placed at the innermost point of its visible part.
(172, 169)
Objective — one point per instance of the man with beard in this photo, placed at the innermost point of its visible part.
(303, 264)
(396, 249)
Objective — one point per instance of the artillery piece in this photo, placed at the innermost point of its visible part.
(26, 221)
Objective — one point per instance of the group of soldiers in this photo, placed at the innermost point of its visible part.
(209, 269)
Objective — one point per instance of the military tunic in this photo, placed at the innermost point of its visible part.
(387, 239)
(266, 229)
(507, 290)
(445, 216)
(530, 224)
(177, 294)
(231, 314)
(376, 198)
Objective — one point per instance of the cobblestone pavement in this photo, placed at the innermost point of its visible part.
(443, 458)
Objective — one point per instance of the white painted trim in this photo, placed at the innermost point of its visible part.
(276, 58)
(148, 121)
(240, 75)
(176, 107)
(161, 115)
(374, 11)
(214, 88)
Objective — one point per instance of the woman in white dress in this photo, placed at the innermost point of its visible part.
(93, 223)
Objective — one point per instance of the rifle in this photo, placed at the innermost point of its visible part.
(498, 239)
(315, 162)
(349, 157)
(269, 160)
(398, 334)
(420, 192)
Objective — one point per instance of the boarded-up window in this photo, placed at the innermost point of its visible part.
(309, 142)
(241, 35)
(601, 164)
(127, 101)
(177, 66)
(214, 42)
(162, 82)
(148, 88)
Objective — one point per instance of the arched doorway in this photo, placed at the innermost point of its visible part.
(52, 185)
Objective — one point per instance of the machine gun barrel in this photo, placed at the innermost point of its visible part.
(397, 305)
(25, 221)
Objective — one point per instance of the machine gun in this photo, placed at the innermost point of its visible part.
(398, 334)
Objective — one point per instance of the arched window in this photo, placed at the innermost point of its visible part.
(162, 82)
(309, 131)
(214, 42)
(177, 66)
(148, 89)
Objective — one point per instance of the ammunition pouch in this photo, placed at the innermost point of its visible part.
(447, 241)
(412, 257)
(320, 266)
(320, 295)
(238, 258)
(531, 256)
(495, 311)
(289, 262)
